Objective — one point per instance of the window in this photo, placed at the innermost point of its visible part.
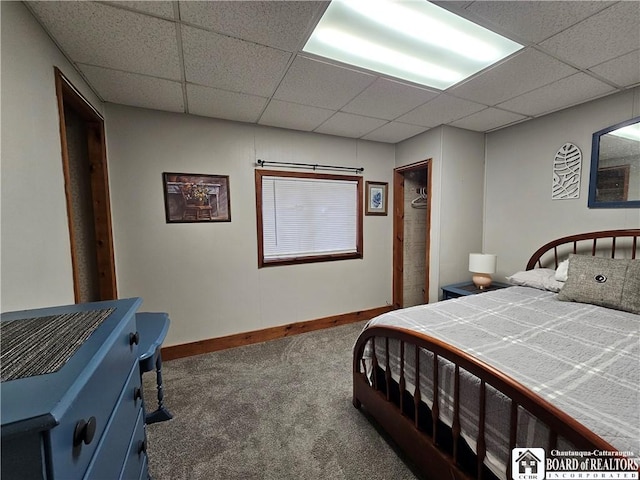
(307, 217)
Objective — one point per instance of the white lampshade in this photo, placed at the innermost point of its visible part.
(482, 263)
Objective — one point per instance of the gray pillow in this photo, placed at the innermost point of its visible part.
(608, 282)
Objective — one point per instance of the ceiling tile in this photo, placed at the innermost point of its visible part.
(443, 109)
(230, 64)
(98, 34)
(615, 31)
(316, 83)
(487, 119)
(394, 132)
(561, 94)
(294, 116)
(240, 60)
(283, 25)
(388, 99)
(136, 90)
(535, 21)
(348, 125)
(159, 8)
(522, 73)
(212, 102)
(623, 71)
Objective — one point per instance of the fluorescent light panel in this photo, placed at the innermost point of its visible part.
(631, 132)
(412, 40)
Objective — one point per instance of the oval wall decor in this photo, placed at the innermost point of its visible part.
(567, 166)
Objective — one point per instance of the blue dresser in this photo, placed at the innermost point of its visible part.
(85, 419)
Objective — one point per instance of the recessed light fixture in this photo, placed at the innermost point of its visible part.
(413, 40)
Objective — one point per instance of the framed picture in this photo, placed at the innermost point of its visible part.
(191, 197)
(376, 198)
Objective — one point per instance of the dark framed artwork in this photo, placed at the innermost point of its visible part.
(613, 183)
(192, 197)
(376, 202)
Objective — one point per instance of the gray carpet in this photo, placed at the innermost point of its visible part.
(276, 410)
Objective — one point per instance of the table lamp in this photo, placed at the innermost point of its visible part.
(482, 265)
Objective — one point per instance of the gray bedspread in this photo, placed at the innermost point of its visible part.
(582, 358)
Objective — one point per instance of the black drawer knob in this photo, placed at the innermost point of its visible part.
(84, 431)
(137, 393)
(134, 338)
(143, 447)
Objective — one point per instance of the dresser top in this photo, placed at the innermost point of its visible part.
(23, 407)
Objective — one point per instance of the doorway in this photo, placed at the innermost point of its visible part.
(84, 165)
(411, 226)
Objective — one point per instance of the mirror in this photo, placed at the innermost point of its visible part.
(615, 166)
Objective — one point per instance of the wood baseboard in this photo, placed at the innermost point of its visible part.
(221, 343)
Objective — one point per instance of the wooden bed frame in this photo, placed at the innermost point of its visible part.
(413, 426)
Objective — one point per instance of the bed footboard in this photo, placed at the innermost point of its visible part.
(439, 450)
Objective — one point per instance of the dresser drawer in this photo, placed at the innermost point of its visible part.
(94, 403)
(135, 464)
(144, 473)
(112, 449)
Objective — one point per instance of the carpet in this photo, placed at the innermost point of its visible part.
(276, 410)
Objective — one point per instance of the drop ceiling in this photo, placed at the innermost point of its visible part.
(243, 61)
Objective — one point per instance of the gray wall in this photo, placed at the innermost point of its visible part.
(206, 276)
(35, 246)
(520, 215)
(457, 181)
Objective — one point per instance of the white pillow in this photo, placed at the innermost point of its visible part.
(562, 272)
(540, 278)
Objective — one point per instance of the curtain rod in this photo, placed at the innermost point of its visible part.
(262, 163)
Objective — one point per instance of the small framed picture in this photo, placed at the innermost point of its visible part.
(376, 198)
(191, 197)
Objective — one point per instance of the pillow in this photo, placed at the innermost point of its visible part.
(562, 271)
(540, 278)
(608, 282)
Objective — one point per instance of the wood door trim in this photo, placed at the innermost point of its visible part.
(398, 229)
(68, 95)
(60, 97)
(428, 237)
(102, 211)
(398, 238)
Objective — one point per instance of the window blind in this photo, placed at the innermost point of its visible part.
(306, 217)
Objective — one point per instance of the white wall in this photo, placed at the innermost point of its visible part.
(35, 248)
(205, 275)
(519, 213)
(457, 181)
(462, 199)
(422, 147)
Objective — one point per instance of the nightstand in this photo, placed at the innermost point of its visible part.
(462, 289)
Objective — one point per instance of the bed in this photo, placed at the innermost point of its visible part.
(539, 364)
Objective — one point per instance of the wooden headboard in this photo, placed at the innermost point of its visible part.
(603, 243)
